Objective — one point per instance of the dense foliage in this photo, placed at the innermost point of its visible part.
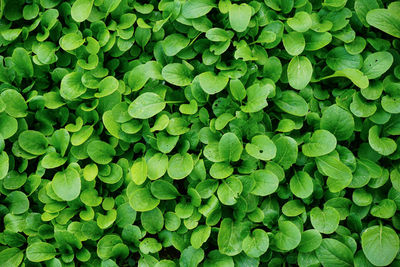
(199, 133)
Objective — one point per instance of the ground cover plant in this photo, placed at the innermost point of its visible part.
(199, 133)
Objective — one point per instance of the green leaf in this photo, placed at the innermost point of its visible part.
(310, 241)
(301, 22)
(33, 142)
(81, 9)
(11, 257)
(326, 221)
(380, 244)
(67, 184)
(334, 253)
(177, 74)
(229, 190)
(8, 126)
(356, 76)
(152, 221)
(230, 236)
(196, 8)
(146, 106)
(286, 151)
(18, 202)
(288, 237)
(385, 20)
(100, 152)
(230, 147)
(191, 257)
(339, 59)
(239, 16)
(180, 166)
(257, 96)
(322, 142)
(337, 121)
(292, 103)
(174, 43)
(266, 183)
(339, 175)
(261, 147)
(40, 251)
(299, 72)
(71, 86)
(383, 145)
(256, 244)
(15, 105)
(294, 43)
(212, 83)
(377, 64)
(4, 164)
(301, 184)
(141, 200)
(163, 190)
(22, 62)
(157, 166)
(71, 41)
(200, 236)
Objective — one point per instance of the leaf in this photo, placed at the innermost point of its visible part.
(256, 244)
(200, 236)
(294, 43)
(266, 183)
(301, 21)
(18, 202)
(163, 190)
(288, 237)
(334, 253)
(322, 142)
(301, 184)
(191, 257)
(174, 43)
(377, 64)
(139, 171)
(292, 103)
(196, 8)
(180, 166)
(146, 106)
(212, 83)
(71, 41)
(339, 59)
(339, 175)
(299, 72)
(100, 152)
(261, 147)
(380, 244)
(230, 147)
(15, 105)
(40, 251)
(286, 151)
(22, 62)
(141, 200)
(229, 190)
(337, 121)
(67, 184)
(10, 257)
(239, 16)
(356, 76)
(385, 20)
(71, 86)
(383, 145)
(326, 221)
(177, 74)
(81, 9)
(33, 142)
